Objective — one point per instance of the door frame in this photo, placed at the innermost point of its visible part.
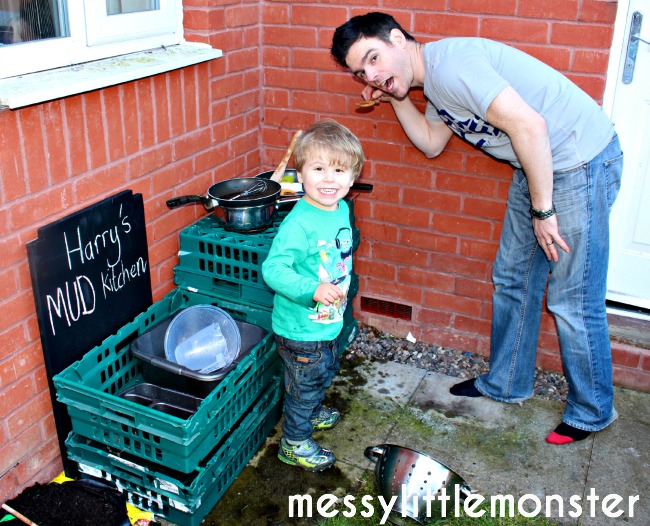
(615, 58)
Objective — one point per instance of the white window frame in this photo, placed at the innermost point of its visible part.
(94, 36)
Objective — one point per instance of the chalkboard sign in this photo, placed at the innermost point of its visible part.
(90, 276)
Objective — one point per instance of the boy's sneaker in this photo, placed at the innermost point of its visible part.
(308, 455)
(326, 419)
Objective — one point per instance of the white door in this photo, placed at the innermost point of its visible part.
(627, 100)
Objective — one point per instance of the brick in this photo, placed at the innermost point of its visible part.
(430, 280)
(431, 241)
(399, 254)
(632, 378)
(275, 14)
(94, 115)
(496, 7)
(242, 15)
(280, 57)
(514, 30)
(395, 292)
(376, 231)
(32, 133)
(112, 103)
(191, 143)
(29, 414)
(598, 11)
(146, 116)
(13, 452)
(433, 317)
(472, 325)
(550, 9)
(582, 35)
(477, 249)
(383, 271)
(148, 161)
(452, 303)
(461, 225)
(331, 16)
(447, 25)
(558, 57)
(484, 208)
(104, 180)
(587, 61)
(466, 184)
(54, 134)
(290, 36)
(174, 94)
(460, 266)
(451, 339)
(474, 288)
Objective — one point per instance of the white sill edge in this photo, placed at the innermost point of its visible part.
(24, 90)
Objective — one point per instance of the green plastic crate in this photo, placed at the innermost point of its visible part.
(182, 499)
(90, 387)
(228, 264)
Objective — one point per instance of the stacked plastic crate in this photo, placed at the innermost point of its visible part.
(176, 453)
(229, 264)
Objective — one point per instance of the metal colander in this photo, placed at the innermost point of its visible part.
(410, 475)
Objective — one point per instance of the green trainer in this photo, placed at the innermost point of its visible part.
(309, 455)
(326, 419)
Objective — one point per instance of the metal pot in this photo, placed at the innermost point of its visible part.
(240, 213)
(410, 475)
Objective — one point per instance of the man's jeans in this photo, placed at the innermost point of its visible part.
(309, 368)
(576, 292)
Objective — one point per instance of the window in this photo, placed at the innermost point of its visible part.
(37, 35)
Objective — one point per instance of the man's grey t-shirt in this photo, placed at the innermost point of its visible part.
(464, 75)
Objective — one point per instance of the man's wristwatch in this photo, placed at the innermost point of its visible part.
(542, 214)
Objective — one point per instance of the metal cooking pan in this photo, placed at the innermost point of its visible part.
(237, 210)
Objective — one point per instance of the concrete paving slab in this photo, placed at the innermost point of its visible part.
(369, 397)
(620, 465)
(632, 404)
(499, 449)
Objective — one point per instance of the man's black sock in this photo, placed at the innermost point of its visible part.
(466, 388)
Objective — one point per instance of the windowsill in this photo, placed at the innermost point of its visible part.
(34, 88)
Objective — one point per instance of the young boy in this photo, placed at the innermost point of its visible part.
(309, 266)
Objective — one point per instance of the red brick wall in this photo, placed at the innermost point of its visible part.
(429, 229)
(172, 134)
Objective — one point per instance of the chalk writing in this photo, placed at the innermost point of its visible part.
(77, 297)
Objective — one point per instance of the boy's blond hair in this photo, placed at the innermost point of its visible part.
(333, 139)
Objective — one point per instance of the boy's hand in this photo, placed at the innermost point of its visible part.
(326, 293)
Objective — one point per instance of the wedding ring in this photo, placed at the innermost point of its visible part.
(549, 244)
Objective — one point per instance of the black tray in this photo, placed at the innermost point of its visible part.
(149, 348)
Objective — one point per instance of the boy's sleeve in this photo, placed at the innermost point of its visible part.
(289, 248)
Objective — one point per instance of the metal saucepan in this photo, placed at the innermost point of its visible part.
(240, 211)
(410, 475)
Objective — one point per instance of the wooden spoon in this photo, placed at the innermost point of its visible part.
(279, 171)
(366, 103)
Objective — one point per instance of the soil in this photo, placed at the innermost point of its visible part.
(73, 503)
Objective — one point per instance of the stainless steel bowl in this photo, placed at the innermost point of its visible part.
(410, 475)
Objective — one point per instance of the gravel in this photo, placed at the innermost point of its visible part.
(372, 343)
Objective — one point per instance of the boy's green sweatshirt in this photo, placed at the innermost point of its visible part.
(312, 246)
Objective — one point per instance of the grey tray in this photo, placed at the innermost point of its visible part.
(175, 403)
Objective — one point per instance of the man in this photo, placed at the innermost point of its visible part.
(568, 165)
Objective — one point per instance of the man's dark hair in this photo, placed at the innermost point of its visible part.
(370, 25)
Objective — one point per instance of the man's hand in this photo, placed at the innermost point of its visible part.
(548, 237)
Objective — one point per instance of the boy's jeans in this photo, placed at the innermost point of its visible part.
(576, 292)
(309, 368)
